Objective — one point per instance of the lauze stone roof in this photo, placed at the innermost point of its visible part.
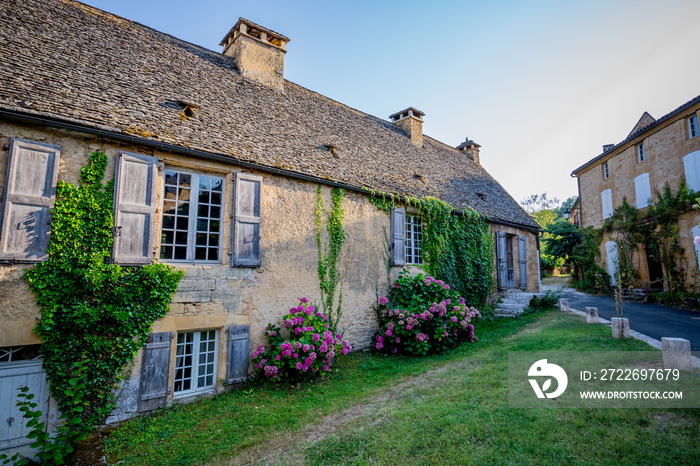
(69, 61)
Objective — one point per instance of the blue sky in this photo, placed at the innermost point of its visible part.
(540, 84)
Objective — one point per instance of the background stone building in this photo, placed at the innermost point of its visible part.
(225, 138)
(656, 152)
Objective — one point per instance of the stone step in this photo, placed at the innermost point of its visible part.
(501, 313)
(516, 301)
(503, 305)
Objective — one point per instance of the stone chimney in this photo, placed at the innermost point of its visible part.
(471, 149)
(607, 147)
(411, 122)
(258, 53)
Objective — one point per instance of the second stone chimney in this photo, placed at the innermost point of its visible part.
(411, 122)
(258, 53)
(470, 149)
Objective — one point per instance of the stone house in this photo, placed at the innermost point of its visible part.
(655, 152)
(173, 117)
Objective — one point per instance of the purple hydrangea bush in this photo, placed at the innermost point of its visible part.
(308, 350)
(426, 317)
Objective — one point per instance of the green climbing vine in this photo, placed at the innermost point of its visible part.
(93, 312)
(456, 247)
(655, 228)
(329, 255)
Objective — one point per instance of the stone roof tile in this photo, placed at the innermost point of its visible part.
(66, 60)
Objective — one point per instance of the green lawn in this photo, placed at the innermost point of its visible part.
(448, 409)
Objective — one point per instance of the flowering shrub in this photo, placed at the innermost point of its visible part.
(428, 317)
(309, 350)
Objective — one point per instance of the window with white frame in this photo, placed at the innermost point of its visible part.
(414, 236)
(195, 362)
(192, 212)
(606, 171)
(693, 126)
(640, 153)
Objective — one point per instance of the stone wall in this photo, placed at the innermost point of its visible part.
(531, 252)
(664, 150)
(215, 296)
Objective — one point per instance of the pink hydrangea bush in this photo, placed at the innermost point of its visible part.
(429, 317)
(303, 348)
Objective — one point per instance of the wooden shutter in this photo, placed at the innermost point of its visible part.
(398, 237)
(155, 367)
(606, 201)
(30, 193)
(522, 256)
(238, 347)
(642, 190)
(134, 208)
(502, 260)
(611, 250)
(247, 206)
(691, 164)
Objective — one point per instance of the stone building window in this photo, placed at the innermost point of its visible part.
(693, 126)
(606, 171)
(195, 362)
(192, 212)
(606, 201)
(414, 235)
(640, 153)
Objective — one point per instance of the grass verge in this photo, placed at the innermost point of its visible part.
(450, 409)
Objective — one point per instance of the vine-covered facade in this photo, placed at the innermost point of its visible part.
(640, 192)
(258, 190)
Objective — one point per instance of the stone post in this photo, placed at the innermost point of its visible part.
(620, 327)
(676, 354)
(563, 305)
(591, 315)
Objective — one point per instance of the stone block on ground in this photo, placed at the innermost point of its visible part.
(676, 353)
(591, 315)
(620, 327)
(563, 305)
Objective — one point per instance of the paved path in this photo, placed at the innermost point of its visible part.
(649, 319)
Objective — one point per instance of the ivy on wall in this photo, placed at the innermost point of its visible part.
(656, 227)
(91, 310)
(456, 247)
(329, 255)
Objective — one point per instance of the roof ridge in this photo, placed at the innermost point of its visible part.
(631, 136)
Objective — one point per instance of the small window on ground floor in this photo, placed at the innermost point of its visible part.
(19, 353)
(195, 363)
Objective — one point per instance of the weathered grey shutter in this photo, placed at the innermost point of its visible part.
(398, 236)
(522, 255)
(238, 347)
(247, 204)
(502, 260)
(30, 193)
(134, 208)
(155, 367)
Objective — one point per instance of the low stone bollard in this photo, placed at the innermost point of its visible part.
(676, 354)
(620, 327)
(563, 305)
(591, 315)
